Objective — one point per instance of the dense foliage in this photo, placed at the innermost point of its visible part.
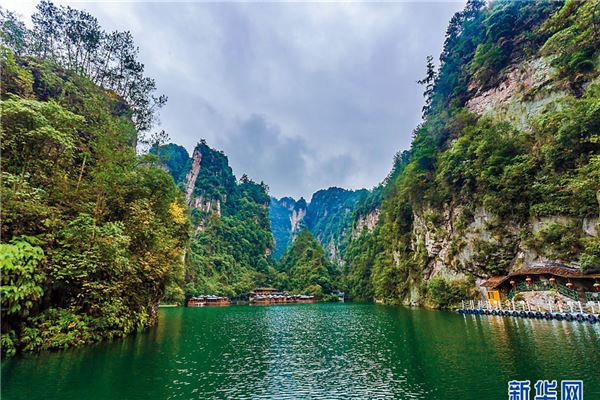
(480, 42)
(175, 158)
(445, 294)
(543, 166)
(329, 218)
(305, 269)
(92, 234)
(229, 250)
(74, 40)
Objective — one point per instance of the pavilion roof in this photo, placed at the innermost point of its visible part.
(561, 270)
(494, 281)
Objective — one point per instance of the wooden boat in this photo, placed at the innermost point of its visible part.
(261, 298)
(208, 300)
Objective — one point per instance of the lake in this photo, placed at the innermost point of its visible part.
(316, 351)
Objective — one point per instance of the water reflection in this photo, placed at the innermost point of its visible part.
(315, 351)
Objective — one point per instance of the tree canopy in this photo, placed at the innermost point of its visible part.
(93, 234)
(305, 267)
(75, 41)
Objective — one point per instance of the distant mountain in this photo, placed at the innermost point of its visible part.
(287, 218)
(328, 217)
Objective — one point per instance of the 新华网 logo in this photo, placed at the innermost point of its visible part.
(545, 390)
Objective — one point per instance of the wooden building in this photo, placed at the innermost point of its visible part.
(264, 291)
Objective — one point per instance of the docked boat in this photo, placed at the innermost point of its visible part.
(208, 300)
(266, 296)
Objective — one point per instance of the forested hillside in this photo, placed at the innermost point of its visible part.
(505, 169)
(231, 241)
(305, 269)
(329, 218)
(92, 234)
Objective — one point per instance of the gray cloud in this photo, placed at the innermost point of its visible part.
(258, 148)
(301, 95)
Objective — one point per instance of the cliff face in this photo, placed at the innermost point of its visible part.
(484, 243)
(287, 219)
(365, 222)
(192, 175)
(328, 217)
(298, 213)
(206, 178)
(504, 172)
(525, 89)
(280, 216)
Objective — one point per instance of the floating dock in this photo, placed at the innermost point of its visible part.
(281, 298)
(588, 312)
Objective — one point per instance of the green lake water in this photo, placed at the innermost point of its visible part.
(315, 351)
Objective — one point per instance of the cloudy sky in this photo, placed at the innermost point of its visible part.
(302, 96)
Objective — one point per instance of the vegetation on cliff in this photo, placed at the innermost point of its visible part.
(92, 233)
(305, 269)
(461, 161)
(280, 212)
(328, 216)
(230, 247)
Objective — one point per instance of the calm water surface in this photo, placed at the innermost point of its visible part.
(333, 351)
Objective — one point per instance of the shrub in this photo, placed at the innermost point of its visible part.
(444, 293)
(590, 257)
(21, 278)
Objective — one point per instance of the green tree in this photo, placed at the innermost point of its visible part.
(111, 226)
(308, 269)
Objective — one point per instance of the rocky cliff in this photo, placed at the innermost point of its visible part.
(192, 175)
(297, 216)
(328, 216)
(286, 219)
(365, 222)
(504, 171)
(206, 178)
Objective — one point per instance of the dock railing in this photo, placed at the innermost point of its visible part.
(592, 296)
(543, 287)
(571, 311)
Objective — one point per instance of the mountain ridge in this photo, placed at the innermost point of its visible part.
(328, 216)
